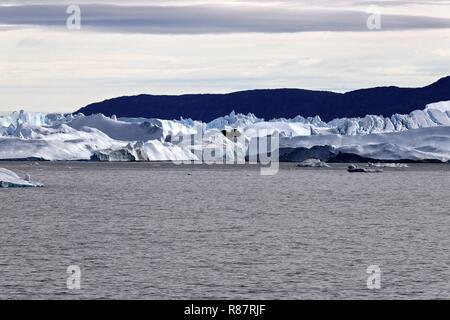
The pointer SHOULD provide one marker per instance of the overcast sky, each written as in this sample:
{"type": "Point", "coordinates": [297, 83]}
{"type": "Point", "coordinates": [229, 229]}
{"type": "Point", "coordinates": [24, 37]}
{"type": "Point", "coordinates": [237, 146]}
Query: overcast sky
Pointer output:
{"type": "Point", "coordinates": [174, 47]}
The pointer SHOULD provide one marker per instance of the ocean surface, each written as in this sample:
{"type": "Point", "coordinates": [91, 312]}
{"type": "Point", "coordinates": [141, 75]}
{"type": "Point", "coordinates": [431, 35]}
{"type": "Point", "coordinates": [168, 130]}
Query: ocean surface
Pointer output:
{"type": "Point", "coordinates": [161, 231]}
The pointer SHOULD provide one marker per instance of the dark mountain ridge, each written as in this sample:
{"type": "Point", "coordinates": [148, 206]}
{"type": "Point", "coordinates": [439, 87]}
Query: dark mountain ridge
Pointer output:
{"type": "Point", "coordinates": [276, 103]}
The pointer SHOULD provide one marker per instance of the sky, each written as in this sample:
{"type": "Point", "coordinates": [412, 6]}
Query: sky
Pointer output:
{"type": "Point", "coordinates": [176, 47]}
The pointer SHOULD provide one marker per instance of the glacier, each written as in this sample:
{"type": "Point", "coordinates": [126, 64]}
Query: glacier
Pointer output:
{"type": "Point", "coordinates": [422, 135]}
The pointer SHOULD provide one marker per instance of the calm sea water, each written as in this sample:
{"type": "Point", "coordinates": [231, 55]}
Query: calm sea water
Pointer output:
{"type": "Point", "coordinates": [160, 231]}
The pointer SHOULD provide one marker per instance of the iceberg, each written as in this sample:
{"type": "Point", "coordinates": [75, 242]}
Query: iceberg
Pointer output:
{"type": "Point", "coordinates": [54, 143]}
{"type": "Point", "coordinates": [9, 179]}
{"type": "Point", "coordinates": [424, 144]}
{"type": "Point", "coordinates": [33, 118]}
{"type": "Point", "coordinates": [422, 135]}
{"type": "Point", "coordinates": [443, 106]}
{"type": "Point", "coordinates": [436, 114]}
{"type": "Point", "coordinates": [117, 129]}
{"type": "Point", "coordinates": [388, 165]}
{"type": "Point", "coordinates": [354, 169]}
{"type": "Point", "coordinates": [313, 163]}
{"type": "Point", "coordinates": [233, 120]}
{"type": "Point", "coordinates": [148, 151]}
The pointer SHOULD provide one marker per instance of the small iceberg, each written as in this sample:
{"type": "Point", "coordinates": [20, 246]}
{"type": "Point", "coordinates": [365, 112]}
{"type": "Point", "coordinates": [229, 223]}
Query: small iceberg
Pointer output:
{"type": "Point", "coordinates": [352, 169]}
{"type": "Point", "coordinates": [313, 163]}
{"type": "Point", "coordinates": [388, 165]}
{"type": "Point", "coordinates": [9, 179]}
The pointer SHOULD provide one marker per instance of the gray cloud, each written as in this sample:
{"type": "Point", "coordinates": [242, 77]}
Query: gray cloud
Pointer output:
{"type": "Point", "coordinates": [201, 19]}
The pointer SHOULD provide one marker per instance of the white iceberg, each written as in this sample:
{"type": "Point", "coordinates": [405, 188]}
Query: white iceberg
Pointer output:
{"type": "Point", "coordinates": [354, 169]}
{"type": "Point", "coordinates": [9, 179]}
{"type": "Point", "coordinates": [388, 165]}
{"type": "Point", "coordinates": [420, 135]}
{"type": "Point", "coordinates": [144, 151]}
{"type": "Point", "coordinates": [313, 163]}
{"type": "Point", "coordinates": [443, 106]}
{"type": "Point", "coordinates": [59, 142]}
{"type": "Point", "coordinates": [119, 130]}
{"type": "Point", "coordinates": [417, 145]}
{"type": "Point", "coordinates": [435, 114]}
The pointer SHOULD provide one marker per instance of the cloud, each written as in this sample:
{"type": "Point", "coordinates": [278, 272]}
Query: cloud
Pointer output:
{"type": "Point", "coordinates": [206, 19]}
{"type": "Point", "coordinates": [30, 42]}
{"type": "Point", "coordinates": [444, 53]}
